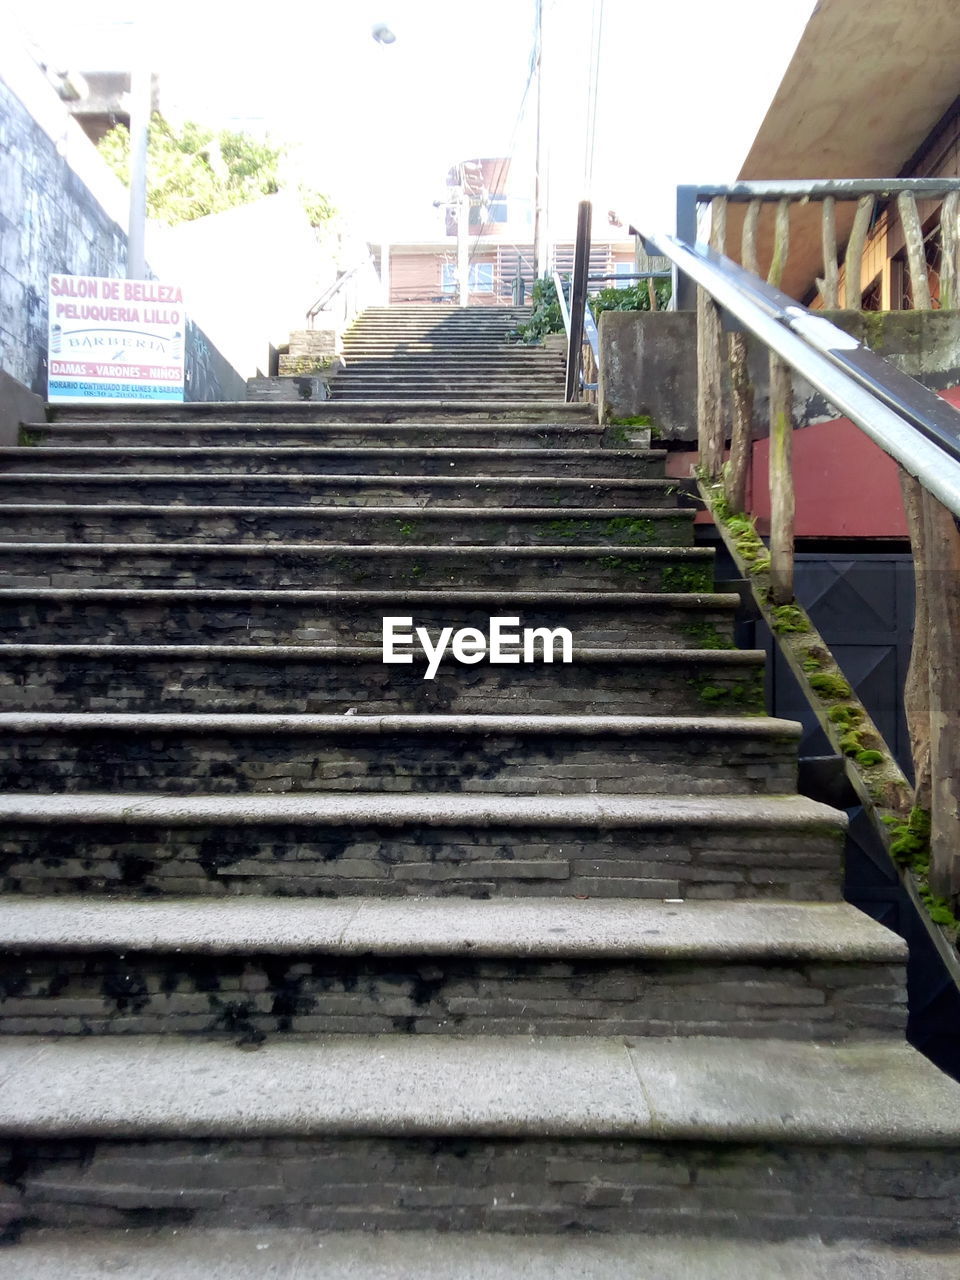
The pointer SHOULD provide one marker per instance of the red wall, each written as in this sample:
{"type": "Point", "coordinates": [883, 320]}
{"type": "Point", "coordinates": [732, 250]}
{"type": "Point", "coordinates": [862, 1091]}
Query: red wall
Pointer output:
{"type": "Point", "coordinates": [846, 486]}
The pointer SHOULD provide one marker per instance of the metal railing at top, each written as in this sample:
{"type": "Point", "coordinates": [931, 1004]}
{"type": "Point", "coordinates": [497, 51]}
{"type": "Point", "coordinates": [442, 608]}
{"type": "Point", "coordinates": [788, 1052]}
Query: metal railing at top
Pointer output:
{"type": "Point", "coordinates": [357, 287]}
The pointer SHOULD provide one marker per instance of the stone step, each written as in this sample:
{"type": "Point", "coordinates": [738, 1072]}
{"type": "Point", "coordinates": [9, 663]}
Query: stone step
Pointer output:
{"type": "Point", "coordinates": [470, 755]}
{"type": "Point", "coordinates": [518, 360]}
{"type": "Point", "coordinates": [275, 487]}
{"type": "Point", "coordinates": [270, 435]}
{"type": "Point", "coordinates": [532, 526]}
{"type": "Point", "coordinates": [854, 1141]}
{"type": "Point", "coordinates": [250, 564]}
{"type": "Point", "coordinates": [194, 1253]}
{"type": "Point", "coordinates": [457, 377]}
{"type": "Point", "coordinates": [580, 846]}
{"type": "Point", "coordinates": [320, 412]}
{"type": "Point", "coordinates": [190, 616]}
{"type": "Point", "coordinates": [352, 678]}
{"type": "Point", "coordinates": [320, 460]}
{"type": "Point", "coordinates": [391, 395]}
{"type": "Point", "coordinates": [255, 968]}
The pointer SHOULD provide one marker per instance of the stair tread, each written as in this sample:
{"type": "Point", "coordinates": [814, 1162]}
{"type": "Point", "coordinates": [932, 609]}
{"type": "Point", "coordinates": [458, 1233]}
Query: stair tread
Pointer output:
{"type": "Point", "coordinates": [251, 1254]}
{"type": "Point", "coordinates": [358, 652]}
{"type": "Point", "coordinates": [350, 512]}
{"type": "Point", "coordinates": [507, 597]}
{"type": "Point", "coordinates": [365, 726]}
{"type": "Point", "coordinates": [725, 932]}
{"type": "Point", "coordinates": [431, 809]}
{"type": "Point", "coordinates": [492, 452]}
{"type": "Point", "coordinates": [704, 1089]}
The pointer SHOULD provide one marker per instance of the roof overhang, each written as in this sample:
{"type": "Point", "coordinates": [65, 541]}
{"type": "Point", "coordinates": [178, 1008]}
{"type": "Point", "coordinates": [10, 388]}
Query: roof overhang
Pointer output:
{"type": "Point", "coordinates": [867, 84]}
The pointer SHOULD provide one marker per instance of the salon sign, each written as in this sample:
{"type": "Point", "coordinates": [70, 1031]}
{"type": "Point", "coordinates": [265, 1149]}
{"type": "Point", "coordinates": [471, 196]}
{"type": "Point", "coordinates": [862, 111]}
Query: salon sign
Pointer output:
{"type": "Point", "coordinates": [115, 341]}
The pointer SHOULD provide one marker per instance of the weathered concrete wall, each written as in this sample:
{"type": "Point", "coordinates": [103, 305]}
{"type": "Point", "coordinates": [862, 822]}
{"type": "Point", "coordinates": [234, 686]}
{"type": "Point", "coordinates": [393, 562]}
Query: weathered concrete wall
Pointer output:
{"type": "Point", "coordinates": [61, 211]}
{"type": "Point", "coordinates": [17, 405]}
{"type": "Point", "coordinates": [649, 363]}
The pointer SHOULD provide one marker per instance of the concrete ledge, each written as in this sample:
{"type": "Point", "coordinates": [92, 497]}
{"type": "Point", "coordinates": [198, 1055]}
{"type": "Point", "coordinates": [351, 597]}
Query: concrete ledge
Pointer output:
{"type": "Point", "coordinates": [490, 454]}
{"type": "Point", "coordinates": [504, 599]}
{"type": "Point", "coordinates": [191, 1254]}
{"type": "Point", "coordinates": [348, 411]}
{"type": "Point", "coordinates": [773, 813]}
{"type": "Point", "coordinates": [730, 932]}
{"type": "Point", "coordinates": [695, 1089]}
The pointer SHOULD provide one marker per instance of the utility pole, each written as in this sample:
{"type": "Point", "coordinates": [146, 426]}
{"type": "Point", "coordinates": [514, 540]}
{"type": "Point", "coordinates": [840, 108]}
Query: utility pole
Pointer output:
{"type": "Point", "coordinates": [463, 241]}
{"type": "Point", "coordinates": [539, 256]}
{"type": "Point", "coordinates": [141, 100]}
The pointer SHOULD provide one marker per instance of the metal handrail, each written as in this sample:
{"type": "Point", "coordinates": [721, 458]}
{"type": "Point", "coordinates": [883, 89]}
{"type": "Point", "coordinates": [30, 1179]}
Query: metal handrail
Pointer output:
{"type": "Point", "coordinates": [331, 292]}
{"type": "Point", "coordinates": [589, 329]}
{"type": "Point", "coordinates": [909, 422]}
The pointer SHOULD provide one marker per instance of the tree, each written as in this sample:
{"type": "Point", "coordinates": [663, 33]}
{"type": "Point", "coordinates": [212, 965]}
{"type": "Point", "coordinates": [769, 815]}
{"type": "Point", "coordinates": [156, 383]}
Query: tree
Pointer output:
{"type": "Point", "coordinates": [198, 171]}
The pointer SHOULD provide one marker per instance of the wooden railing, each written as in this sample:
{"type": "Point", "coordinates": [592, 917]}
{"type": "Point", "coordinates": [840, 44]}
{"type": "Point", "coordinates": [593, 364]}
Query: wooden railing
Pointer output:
{"type": "Point", "coordinates": [918, 429]}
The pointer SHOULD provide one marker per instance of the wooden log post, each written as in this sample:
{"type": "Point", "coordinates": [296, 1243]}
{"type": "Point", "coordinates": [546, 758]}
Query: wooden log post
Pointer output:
{"type": "Point", "coordinates": [853, 259]}
{"type": "Point", "coordinates": [933, 689]}
{"type": "Point", "coordinates": [942, 568]}
{"type": "Point", "coordinates": [782, 502]}
{"type": "Point", "coordinates": [829, 286]}
{"type": "Point", "coordinates": [949, 251]}
{"type": "Point", "coordinates": [737, 470]}
{"type": "Point", "coordinates": [710, 424]}
{"type": "Point", "coordinates": [916, 256]}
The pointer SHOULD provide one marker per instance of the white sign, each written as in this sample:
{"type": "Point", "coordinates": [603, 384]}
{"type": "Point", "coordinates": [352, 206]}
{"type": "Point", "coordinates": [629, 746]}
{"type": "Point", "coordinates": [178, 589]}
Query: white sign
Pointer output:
{"type": "Point", "coordinates": [115, 340]}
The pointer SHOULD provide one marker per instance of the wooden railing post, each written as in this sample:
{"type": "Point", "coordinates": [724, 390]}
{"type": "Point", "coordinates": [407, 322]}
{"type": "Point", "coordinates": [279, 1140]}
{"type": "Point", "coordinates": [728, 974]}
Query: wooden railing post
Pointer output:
{"type": "Point", "coordinates": [782, 502]}
{"type": "Point", "coordinates": [829, 286]}
{"type": "Point", "coordinates": [737, 470]}
{"type": "Point", "coordinates": [853, 259]}
{"type": "Point", "coordinates": [932, 694]}
{"type": "Point", "coordinates": [949, 251]}
{"type": "Point", "coordinates": [710, 425]}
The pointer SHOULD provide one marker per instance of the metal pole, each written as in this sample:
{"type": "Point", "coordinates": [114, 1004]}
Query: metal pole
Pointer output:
{"type": "Point", "coordinates": [141, 95]}
{"type": "Point", "coordinates": [684, 291]}
{"type": "Point", "coordinates": [463, 243]}
{"type": "Point", "coordinates": [578, 299]}
{"type": "Point", "coordinates": [385, 272]}
{"type": "Point", "coordinates": [537, 186]}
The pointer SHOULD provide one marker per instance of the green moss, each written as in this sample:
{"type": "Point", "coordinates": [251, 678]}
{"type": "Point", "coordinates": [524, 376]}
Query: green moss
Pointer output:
{"type": "Point", "coordinates": [869, 757]}
{"type": "Point", "coordinates": [789, 618]}
{"type": "Point", "coordinates": [846, 714]}
{"type": "Point", "coordinates": [686, 578]}
{"type": "Point", "coordinates": [711, 693]}
{"type": "Point", "coordinates": [633, 532]}
{"type": "Point", "coordinates": [911, 840]}
{"type": "Point", "coordinates": [874, 325]}
{"type": "Point", "coordinates": [564, 529]}
{"type": "Point", "coordinates": [406, 529]}
{"type": "Point", "coordinates": [706, 636]}
{"type": "Point", "coordinates": [829, 685]}
{"type": "Point", "coordinates": [811, 663]}
{"type": "Point", "coordinates": [639, 420]}
{"type": "Point", "coordinates": [27, 438]}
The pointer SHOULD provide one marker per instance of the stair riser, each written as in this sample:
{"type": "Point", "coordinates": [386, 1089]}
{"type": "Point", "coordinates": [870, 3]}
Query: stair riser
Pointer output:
{"type": "Point", "coordinates": [450, 394]}
{"type": "Point", "coordinates": [689, 861]}
{"type": "Point", "coordinates": [250, 995]}
{"type": "Point", "coordinates": [340, 462]}
{"type": "Point", "coordinates": [503, 1184]}
{"type": "Point", "coordinates": [497, 763]}
{"type": "Point", "coordinates": [323, 413]}
{"type": "Point", "coordinates": [426, 568]}
{"type": "Point", "coordinates": [334, 685]}
{"type": "Point", "coordinates": [274, 489]}
{"type": "Point", "coordinates": [429, 437]}
{"type": "Point", "coordinates": [179, 524]}
{"type": "Point", "coordinates": [274, 622]}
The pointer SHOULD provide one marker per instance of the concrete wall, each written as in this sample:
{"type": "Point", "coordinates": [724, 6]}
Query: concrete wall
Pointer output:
{"type": "Point", "coordinates": [62, 210]}
{"type": "Point", "coordinates": [648, 363]}
{"type": "Point", "coordinates": [17, 405]}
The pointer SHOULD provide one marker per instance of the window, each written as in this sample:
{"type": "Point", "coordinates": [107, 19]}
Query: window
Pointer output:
{"type": "Point", "coordinates": [481, 277]}
{"type": "Point", "coordinates": [624, 269]}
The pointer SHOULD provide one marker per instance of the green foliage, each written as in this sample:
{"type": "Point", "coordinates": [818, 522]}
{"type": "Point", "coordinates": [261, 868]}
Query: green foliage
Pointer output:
{"type": "Point", "coordinates": [196, 171]}
{"type": "Point", "coordinates": [869, 757]}
{"type": "Point", "coordinates": [638, 420]}
{"type": "Point", "coordinates": [633, 297]}
{"type": "Point", "coordinates": [545, 317]}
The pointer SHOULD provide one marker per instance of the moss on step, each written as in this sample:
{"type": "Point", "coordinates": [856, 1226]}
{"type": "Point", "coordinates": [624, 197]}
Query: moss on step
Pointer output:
{"type": "Point", "coordinates": [705, 635]}
{"type": "Point", "coordinates": [686, 577]}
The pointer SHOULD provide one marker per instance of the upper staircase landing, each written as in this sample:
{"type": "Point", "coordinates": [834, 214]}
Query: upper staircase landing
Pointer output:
{"type": "Point", "coordinates": [445, 353]}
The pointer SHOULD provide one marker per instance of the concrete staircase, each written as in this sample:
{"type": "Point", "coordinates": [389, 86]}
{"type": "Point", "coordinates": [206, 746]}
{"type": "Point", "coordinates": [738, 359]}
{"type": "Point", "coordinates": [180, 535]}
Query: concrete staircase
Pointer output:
{"type": "Point", "coordinates": [416, 352]}
{"type": "Point", "coordinates": [554, 950]}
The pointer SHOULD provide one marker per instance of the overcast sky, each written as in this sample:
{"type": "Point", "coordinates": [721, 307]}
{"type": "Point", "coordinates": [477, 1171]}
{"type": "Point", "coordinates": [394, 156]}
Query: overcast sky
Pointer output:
{"type": "Point", "coordinates": [683, 87]}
